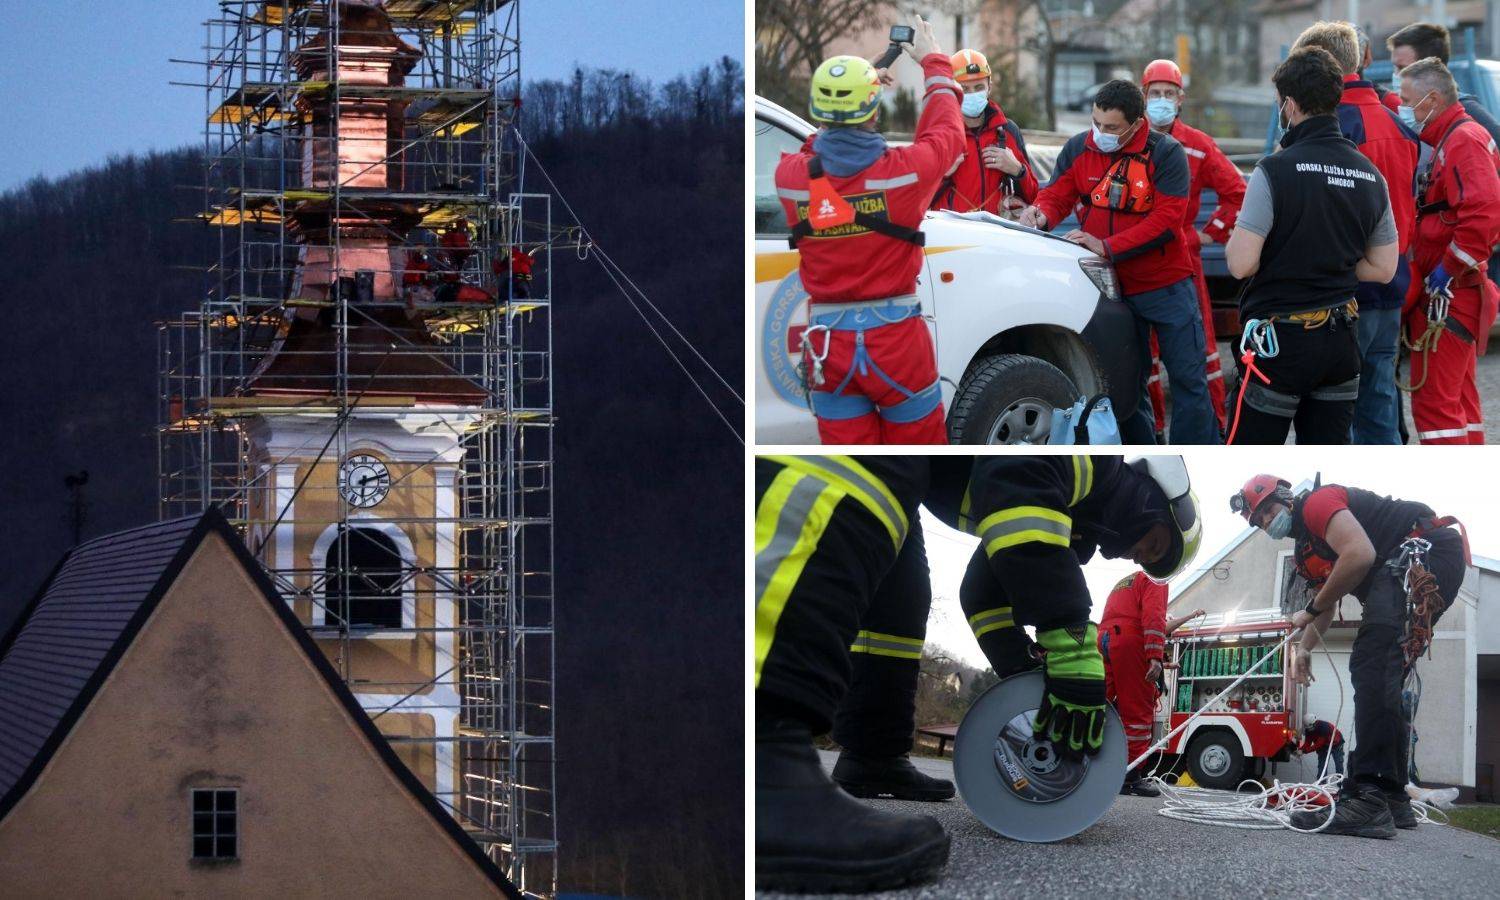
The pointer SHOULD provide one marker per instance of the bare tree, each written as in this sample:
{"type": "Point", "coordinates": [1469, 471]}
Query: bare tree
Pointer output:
{"type": "Point", "coordinates": [792, 38]}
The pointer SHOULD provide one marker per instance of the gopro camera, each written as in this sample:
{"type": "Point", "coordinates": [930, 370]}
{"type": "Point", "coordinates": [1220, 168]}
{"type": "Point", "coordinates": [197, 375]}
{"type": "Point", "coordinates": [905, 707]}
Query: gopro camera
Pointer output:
{"type": "Point", "coordinates": [900, 34]}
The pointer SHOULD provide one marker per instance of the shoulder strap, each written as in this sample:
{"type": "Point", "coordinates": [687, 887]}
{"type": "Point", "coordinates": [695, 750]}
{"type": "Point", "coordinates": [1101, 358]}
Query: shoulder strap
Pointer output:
{"type": "Point", "coordinates": [1425, 209]}
{"type": "Point", "coordinates": [885, 227]}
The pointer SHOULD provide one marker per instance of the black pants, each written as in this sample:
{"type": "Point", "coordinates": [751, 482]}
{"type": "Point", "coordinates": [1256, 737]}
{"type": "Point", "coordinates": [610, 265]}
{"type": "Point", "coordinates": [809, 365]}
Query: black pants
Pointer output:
{"type": "Point", "coordinates": [996, 615]}
{"type": "Point", "coordinates": [878, 715]}
{"type": "Point", "coordinates": [1308, 379]}
{"type": "Point", "coordinates": [1377, 667]}
{"type": "Point", "coordinates": [812, 591]}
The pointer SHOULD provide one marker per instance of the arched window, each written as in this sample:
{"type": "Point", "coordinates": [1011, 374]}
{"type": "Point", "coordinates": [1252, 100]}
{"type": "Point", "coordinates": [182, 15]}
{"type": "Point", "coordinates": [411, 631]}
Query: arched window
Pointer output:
{"type": "Point", "coordinates": [363, 587]}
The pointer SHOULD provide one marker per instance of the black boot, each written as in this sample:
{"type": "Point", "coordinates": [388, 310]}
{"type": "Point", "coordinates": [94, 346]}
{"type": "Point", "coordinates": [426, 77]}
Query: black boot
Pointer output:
{"type": "Point", "coordinates": [1359, 811]}
{"type": "Point", "coordinates": [1140, 787]}
{"type": "Point", "coordinates": [887, 776]}
{"type": "Point", "coordinates": [1401, 812]}
{"type": "Point", "coordinates": [811, 837]}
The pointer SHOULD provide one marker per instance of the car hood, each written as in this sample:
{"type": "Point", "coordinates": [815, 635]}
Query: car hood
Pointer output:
{"type": "Point", "coordinates": [950, 229]}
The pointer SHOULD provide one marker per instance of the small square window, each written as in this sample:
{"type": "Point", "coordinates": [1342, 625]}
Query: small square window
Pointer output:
{"type": "Point", "coordinates": [215, 823]}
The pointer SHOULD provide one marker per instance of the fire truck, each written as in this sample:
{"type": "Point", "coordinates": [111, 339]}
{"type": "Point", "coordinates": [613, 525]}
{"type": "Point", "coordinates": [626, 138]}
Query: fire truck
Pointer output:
{"type": "Point", "coordinates": [1256, 724]}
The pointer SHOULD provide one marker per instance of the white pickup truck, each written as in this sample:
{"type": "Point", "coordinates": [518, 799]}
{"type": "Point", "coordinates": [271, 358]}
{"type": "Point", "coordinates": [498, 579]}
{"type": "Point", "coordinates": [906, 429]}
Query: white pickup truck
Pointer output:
{"type": "Point", "coordinates": [1024, 322]}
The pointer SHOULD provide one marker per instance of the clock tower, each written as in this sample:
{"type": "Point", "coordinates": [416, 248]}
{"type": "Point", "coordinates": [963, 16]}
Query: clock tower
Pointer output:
{"type": "Point", "coordinates": [366, 393]}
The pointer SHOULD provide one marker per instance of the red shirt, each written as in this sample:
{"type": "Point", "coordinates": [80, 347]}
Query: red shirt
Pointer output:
{"type": "Point", "coordinates": [1146, 248]}
{"type": "Point", "coordinates": [851, 262]}
{"type": "Point", "coordinates": [1464, 175]}
{"type": "Point", "coordinates": [1208, 167]}
{"type": "Point", "coordinates": [973, 186]}
{"type": "Point", "coordinates": [1320, 506]}
{"type": "Point", "coordinates": [1390, 145]}
{"type": "Point", "coordinates": [1138, 606]}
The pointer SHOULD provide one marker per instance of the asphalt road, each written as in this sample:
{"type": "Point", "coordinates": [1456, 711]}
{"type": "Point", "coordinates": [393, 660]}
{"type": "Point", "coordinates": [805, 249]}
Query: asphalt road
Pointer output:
{"type": "Point", "coordinates": [1133, 852]}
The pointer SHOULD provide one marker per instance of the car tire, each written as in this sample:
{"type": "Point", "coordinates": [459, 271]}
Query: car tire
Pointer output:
{"type": "Point", "coordinates": [1008, 398]}
{"type": "Point", "coordinates": [1215, 760]}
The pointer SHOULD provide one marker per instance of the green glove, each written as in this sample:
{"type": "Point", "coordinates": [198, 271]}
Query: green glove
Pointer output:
{"type": "Point", "coordinates": [1072, 711]}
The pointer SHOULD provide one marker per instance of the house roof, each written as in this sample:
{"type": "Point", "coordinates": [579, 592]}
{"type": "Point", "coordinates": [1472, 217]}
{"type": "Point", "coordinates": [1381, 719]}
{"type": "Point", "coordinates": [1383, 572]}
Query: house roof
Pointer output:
{"type": "Point", "coordinates": [1177, 588]}
{"type": "Point", "coordinates": [73, 632]}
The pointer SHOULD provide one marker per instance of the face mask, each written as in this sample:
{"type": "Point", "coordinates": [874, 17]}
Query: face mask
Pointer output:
{"type": "Point", "coordinates": [1161, 111]}
{"type": "Point", "coordinates": [1109, 143]}
{"type": "Point", "coordinates": [1408, 117]}
{"type": "Point", "coordinates": [974, 104]}
{"type": "Point", "coordinates": [1281, 525]}
{"type": "Point", "coordinates": [1395, 81]}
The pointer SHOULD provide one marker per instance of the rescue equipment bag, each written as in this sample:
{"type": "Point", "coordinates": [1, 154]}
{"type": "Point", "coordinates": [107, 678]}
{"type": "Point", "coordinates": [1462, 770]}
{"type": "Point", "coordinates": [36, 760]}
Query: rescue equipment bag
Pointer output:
{"type": "Point", "coordinates": [1127, 186]}
{"type": "Point", "coordinates": [1089, 421]}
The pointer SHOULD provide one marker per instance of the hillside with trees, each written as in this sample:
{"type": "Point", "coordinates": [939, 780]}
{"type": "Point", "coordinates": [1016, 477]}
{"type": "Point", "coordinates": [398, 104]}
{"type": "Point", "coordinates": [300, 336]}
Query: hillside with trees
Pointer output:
{"type": "Point", "coordinates": [649, 482]}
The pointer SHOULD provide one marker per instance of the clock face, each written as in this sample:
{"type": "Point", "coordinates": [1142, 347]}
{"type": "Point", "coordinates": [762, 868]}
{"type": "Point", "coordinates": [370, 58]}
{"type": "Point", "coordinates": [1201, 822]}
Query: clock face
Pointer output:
{"type": "Point", "coordinates": [364, 481]}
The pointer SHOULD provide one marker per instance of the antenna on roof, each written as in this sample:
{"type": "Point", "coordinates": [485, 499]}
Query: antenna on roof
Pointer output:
{"type": "Point", "coordinates": [77, 506]}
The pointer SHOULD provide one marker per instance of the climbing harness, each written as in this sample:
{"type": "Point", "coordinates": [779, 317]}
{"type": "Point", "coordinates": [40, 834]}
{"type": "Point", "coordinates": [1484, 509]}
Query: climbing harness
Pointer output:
{"type": "Point", "coordinates": [1438, 302]}
{"type": "Point", "coordinates": [859, 317]}
{"type": "Point", "coordinates": [1257, 340]}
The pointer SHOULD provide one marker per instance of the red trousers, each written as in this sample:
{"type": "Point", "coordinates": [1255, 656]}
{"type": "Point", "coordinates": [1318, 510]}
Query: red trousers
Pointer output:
{"type": "Point", "coordinates": [1211, 360]}
{"type": "Point", "coordinates": [1125, 686]}
{"type": "Point", "coordinates": [879, 385]}
{"type": "Point", "coordinates": [1445, 408]}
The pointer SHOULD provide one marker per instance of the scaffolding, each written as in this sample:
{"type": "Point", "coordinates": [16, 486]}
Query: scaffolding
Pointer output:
{"type": "Point", "coordinates": [365, 386]}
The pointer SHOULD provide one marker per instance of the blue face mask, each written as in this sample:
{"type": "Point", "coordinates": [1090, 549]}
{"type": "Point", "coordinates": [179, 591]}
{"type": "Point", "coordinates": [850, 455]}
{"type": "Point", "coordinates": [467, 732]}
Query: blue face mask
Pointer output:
{"type": "Point", "coordinates": [1281, 524]}
{"type": "Point", "coordinates": [1109, 143]}
{"type": "Point", "coordinates": [1408, 117]}
{"type": "Point", "coordinates": [974, 104]}
{"type": "Point", "coordinates": [1161, 111]}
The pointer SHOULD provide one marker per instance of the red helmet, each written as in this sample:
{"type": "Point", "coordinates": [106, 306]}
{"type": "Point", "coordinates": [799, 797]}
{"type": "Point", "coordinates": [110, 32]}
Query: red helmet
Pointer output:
{"type": "Point", "coordinates": [1162, 70]}
{"type": "Point", "coordinates": [1257, 490]}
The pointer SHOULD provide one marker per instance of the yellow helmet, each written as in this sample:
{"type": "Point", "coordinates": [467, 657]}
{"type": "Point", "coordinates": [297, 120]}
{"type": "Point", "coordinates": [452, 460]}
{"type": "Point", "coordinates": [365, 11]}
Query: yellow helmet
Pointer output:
{"type": "Point", "coordinates": [970, 65]}
{"type": "Point", "coordinates": [845, 91]}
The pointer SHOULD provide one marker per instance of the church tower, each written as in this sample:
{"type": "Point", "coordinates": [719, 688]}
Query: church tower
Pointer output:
{"type": "Point", "coordinates": [365, 389]}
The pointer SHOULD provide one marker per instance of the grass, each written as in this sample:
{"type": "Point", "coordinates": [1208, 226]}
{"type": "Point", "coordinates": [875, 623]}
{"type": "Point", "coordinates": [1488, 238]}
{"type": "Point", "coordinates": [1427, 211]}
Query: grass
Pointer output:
{"type": "Point", "coordinates": [1481, 819]}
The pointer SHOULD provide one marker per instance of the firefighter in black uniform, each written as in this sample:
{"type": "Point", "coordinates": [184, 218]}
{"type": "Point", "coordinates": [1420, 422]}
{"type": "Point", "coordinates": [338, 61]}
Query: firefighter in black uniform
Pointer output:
{"type": "Point", "coordinates": [1350, 541]}
{"type": "Point", "coordinates": [827, 531]}
{"type": "Point", "coordinates": [1039, 519]}
{"type": "Point", "coordinates": [876, 722]}
{"type": "Point", "coordinates": [1316, 221]}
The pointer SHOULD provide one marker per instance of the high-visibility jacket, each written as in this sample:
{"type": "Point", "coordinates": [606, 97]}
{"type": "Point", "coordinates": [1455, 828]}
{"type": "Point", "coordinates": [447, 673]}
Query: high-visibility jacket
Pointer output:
{"type": "Point", "coordinates": [1390, 145]}
{"type": "Point", "coordinates": [1137, 607]}
{"type": "Point", "coordinates": [850, 262]}
{"type": "Point", "coordinates": [1458, 219]}
{"type": "Point", "coordinates": [1038, 520]}
{"type": "Point", "coordinates": [1208, 167]}
{"type": "Point", "coordinates": [974, 186]}
{"type": "Point", "coordinates": [1146, 248]}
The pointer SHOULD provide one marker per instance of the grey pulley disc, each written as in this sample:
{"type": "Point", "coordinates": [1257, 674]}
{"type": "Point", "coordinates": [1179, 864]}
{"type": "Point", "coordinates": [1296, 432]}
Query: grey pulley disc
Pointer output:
{"type": "Point", "coordinates": [1018, 785]}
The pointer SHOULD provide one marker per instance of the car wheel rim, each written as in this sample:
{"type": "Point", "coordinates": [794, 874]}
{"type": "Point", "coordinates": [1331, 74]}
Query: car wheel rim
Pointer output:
{"type": "Point", "coordinates": [1026, 421]}
{"type": "Point", "coordinates": [1215, 760]}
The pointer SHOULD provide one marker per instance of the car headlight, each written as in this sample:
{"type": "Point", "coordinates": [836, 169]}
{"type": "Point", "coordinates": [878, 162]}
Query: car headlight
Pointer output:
{"type": "Point", "coordinates": [1102, 274]}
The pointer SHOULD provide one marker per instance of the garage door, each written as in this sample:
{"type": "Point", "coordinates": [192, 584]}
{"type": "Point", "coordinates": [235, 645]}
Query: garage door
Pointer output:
{"type": "Point", "coordinates": [1322, 700]}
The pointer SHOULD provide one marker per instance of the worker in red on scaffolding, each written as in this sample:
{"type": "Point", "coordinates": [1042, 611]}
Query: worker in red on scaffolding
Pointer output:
{"type": "Point", "coordinates": [1208, 167]}
{"type": "Point", "coordinates": [1350, 541]}
{"type": "Point", "coordinates": [1451, 303]}
{"type": "Point", "coordinates": [994, 174]}
{"type": "Point", "coordinates": [855, 206]}
{"type": "Point", "coordinates": [1132, 640]}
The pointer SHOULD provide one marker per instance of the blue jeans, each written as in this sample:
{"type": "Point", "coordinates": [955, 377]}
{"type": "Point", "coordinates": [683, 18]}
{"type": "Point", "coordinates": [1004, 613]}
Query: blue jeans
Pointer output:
{"type": "Point", "coordinates": [1377, 412]}
{"type": "Point", "coordinates": [1378, 408]}
{"type": "Point", "coordinates": [1338, 759]}
{"type": "Point", "coordinates": [1179, 332]}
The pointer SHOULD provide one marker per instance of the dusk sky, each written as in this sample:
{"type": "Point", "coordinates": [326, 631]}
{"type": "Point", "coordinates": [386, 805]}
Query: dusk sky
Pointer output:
{"type": "Point", "coordinates": [81, 80]}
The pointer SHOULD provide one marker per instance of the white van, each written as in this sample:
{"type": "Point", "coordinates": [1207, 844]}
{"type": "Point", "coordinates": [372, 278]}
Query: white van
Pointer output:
{"type": "Point", "coordinates": [1024, 321]}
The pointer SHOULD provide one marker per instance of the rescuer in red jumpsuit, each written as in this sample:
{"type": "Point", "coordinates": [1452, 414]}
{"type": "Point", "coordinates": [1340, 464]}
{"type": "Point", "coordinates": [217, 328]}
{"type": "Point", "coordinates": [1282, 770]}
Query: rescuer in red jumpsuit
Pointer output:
{"type": "Point", "coordinates": [855, 206]}
{"type": "Point", "coordinates": [1207, 167]}
{"type": "Point", "coordinates": [994, 175]}
{"type": "Point", "coordinates": [1458, 223]}
{"type": "Point", "coordinates": [1132, 639]}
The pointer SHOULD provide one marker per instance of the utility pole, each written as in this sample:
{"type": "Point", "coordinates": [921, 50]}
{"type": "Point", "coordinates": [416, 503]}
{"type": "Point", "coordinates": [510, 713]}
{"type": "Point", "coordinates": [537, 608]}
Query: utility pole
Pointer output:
{"type": "Point", "coordinates": [77, 506]}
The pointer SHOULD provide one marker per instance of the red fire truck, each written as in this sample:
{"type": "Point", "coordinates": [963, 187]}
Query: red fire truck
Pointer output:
{"type": "Point", "coordinates": [1255, 724]}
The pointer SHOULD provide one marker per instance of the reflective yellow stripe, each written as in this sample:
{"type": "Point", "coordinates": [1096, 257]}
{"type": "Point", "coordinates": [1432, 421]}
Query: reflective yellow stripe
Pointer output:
{"type": "Point", "coordinates": [857, 482]}
{"type": "Point", "coordinates": [964, 524]}
{"type": "Point", "coordinates": [1024, 524]}
{"type": "Point", "coordinates": [1083, 478]}
{"type": "Point", "coordinates": [987, 620]}
{"type": "Point", "coordinates": [877, 644]}
{"type": "Point", "coordinates": [789, 522]}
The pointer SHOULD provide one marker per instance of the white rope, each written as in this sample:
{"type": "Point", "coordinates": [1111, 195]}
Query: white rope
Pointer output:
{"type": "Point", "coordinates": [1270, 807]}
